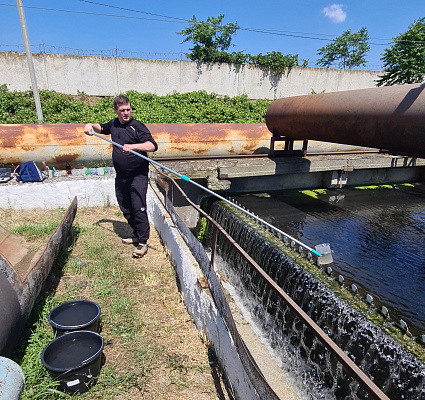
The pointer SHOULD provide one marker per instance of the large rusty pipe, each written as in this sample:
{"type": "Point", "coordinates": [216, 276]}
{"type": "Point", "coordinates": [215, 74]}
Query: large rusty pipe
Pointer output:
{"type": "Point", "coordinates": [390, 118]}
{"type": "Point", "coordinates": [57, 144]}
{"type": "Point", "coordinates": [61, 143]}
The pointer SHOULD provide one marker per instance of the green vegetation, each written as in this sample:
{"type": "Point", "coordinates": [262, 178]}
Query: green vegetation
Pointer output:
{"type": "Point", "coordinates": [313, 193]}
{"type": "Point", "coordinates": [202, 229]}
{"type": "Point", "coordinates": [30, 230]}
{"type": "Point", "coordinates": [195, 107]}
{"type": "Point", "coordinates": [404, 61]}
{"type": "Point", "coordinates": [211, 39]}
{"type": "Point", "coordinates": [349, 50]}
{"type": "Point", "coordinates": [276, 62]}
{"type": "Point", "coordinates": [383, 186]}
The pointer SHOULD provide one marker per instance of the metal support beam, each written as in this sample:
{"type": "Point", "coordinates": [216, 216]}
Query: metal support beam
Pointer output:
{"type": "Point", "coordinates": [289, 147]}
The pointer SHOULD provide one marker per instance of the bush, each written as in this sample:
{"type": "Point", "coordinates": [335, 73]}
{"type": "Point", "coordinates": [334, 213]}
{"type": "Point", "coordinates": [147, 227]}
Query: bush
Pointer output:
{"type": "Point", "coordinates": [194, 107]}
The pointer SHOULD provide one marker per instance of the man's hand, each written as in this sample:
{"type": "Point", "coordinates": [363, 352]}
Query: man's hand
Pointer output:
{"type": "Point", "coordinates": [127, 147]}
{"type": "Point", "coordinates": [90, 128]}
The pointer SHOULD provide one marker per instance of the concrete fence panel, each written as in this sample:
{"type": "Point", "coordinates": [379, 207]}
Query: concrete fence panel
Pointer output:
{"type": "Point", "coordinates": [108, 76]}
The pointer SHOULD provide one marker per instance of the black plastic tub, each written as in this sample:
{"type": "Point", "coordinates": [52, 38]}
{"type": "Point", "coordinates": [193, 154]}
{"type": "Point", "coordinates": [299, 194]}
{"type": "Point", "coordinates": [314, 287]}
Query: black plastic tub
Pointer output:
{"type": "Point", "coordinates": [74, 359]}
{"type": "Point", "coordinates": [74, 315]}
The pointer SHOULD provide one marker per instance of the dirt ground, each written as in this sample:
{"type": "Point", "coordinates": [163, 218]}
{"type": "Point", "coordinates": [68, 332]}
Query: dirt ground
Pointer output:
{"type": "Point", "coordinates": [163, 355]}
{"type": "Point", "coordinates": [181, 368]}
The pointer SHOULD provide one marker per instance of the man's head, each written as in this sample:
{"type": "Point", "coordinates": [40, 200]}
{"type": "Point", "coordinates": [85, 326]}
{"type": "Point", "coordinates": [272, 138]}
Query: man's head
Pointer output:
{"type": "Point", "coordinates": [122, 108]}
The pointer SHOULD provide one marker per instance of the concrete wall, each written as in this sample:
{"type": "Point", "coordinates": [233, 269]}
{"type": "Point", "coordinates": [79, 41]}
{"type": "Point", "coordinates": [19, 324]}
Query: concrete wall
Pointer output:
{"type": "Point", "coordinates": [107, 76]}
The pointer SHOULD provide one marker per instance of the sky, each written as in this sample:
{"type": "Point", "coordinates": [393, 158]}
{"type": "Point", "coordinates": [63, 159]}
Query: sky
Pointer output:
{"type": "Point", "coordinates": [149, 29]}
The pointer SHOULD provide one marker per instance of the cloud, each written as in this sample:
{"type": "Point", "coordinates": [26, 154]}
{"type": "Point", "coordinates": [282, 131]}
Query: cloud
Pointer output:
{"type": "Point", "coordinates": [335, 13]}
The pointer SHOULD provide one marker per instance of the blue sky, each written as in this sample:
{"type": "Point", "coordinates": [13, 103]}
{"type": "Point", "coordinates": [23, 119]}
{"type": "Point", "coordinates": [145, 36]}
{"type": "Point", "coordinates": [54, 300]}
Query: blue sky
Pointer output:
{"type": "Point", "coordinates": [139, 28]}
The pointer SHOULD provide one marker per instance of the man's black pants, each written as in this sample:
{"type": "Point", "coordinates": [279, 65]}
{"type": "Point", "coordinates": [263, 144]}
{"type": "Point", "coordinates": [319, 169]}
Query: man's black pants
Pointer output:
{"type": "Point", "coordinates": [131, 197]}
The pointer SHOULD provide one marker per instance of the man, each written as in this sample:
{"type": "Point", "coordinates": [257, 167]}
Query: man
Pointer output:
{"type": "Point", "coordinates": [131, 180]}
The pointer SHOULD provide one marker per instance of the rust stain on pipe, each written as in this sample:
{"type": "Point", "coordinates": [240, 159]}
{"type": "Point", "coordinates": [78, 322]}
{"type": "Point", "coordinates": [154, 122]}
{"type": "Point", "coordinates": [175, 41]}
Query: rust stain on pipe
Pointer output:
{"type": "Point", "coordinates": [62, 143]}
{"type": "Point", "coordinates": [390, 118]}
{"type": "Point", "coordinates": [55, 144]}
{"type": "Point", "coordinates": [210, 139]}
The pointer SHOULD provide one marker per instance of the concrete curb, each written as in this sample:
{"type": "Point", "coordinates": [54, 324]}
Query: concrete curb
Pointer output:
{"type": "Point", "coordinates": [198, 301]}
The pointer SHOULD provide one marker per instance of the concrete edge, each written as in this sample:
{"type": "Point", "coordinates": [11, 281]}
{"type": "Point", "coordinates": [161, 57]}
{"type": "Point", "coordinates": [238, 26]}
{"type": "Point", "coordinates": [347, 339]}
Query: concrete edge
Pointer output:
{"type": "Point", "coordinates": [198, 301]}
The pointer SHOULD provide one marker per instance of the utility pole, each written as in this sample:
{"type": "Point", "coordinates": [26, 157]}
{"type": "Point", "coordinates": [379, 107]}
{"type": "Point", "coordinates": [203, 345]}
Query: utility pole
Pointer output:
{"type": "Point", "coordinates": [30, 61]}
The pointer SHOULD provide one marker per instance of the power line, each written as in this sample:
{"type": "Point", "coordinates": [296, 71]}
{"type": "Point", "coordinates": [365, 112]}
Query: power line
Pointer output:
{"type": "Point", "coordinates": [91, 13]}
{"type": "Point", "coordinates": [258, 30]}
{"type": "Point", "coordinates": [129, 9]}
{"type": "Point", "coordinates": [301, 35]}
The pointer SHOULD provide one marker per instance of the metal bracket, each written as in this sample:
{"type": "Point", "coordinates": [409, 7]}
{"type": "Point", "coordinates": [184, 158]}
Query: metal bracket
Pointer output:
{"type": "Point", "coordinates": [289, 147]}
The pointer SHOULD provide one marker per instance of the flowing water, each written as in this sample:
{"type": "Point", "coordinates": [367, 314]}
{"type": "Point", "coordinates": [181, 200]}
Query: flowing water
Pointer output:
{"type": "Point", "coordinates": [393, 369]}
{"type": "Point", "coordinates": [377, 237]}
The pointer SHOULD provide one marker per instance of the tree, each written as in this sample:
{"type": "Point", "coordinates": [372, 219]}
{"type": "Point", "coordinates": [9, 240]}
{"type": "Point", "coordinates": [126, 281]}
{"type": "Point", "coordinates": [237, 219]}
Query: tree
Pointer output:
{"type": "Point", "coordinates": [211, 39]}
{"type": "Point", "coordinates": [404, 62]}
{"type": "Point", "coordinates": [349, 49]}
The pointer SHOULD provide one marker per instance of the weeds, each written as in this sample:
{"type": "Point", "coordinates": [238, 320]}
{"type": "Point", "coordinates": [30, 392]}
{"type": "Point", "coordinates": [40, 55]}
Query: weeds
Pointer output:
{"type": "Point", "coordinates": [194, 107]}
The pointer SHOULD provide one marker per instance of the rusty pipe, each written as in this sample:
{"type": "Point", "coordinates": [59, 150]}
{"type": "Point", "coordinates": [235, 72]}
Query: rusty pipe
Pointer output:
{"type": "Point", "coordinates": [390, 118]}
{"type": "Point", "coordinates": [57, 144]}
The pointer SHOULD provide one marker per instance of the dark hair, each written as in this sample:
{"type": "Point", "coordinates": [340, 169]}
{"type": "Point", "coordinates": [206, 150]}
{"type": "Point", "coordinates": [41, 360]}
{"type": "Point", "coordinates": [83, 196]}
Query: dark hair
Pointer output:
{"type": "Point", "coordinates": [120, 100]}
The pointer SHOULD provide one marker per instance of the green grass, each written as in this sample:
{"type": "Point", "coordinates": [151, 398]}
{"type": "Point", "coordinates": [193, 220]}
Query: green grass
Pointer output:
{"type": "Point", "coordinates": [38, 231]}
{"type": "Point", "coordinates": [38, 384]}
{"type": "Point", "coordinates": [99, 267]}
{"type": "Point", "coordinates": [152, 344]}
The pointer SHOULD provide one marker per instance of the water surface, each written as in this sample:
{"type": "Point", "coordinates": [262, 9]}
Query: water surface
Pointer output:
{"type": "Point", "coordinates": [377, 237]}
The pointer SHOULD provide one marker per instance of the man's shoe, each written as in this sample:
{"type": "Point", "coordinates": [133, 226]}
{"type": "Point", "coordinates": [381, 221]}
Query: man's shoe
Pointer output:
{"type": "Point", "coordinates": [130, 241]}
{"type": "Point", "coordinates": [140, 251]}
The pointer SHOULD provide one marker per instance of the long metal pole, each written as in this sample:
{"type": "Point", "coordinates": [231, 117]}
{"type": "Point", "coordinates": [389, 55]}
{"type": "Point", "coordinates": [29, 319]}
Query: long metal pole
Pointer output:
{"type": "Point", "coordinates": [187, 179]}
{"type": "Point", "coordinates": [30, 61]}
